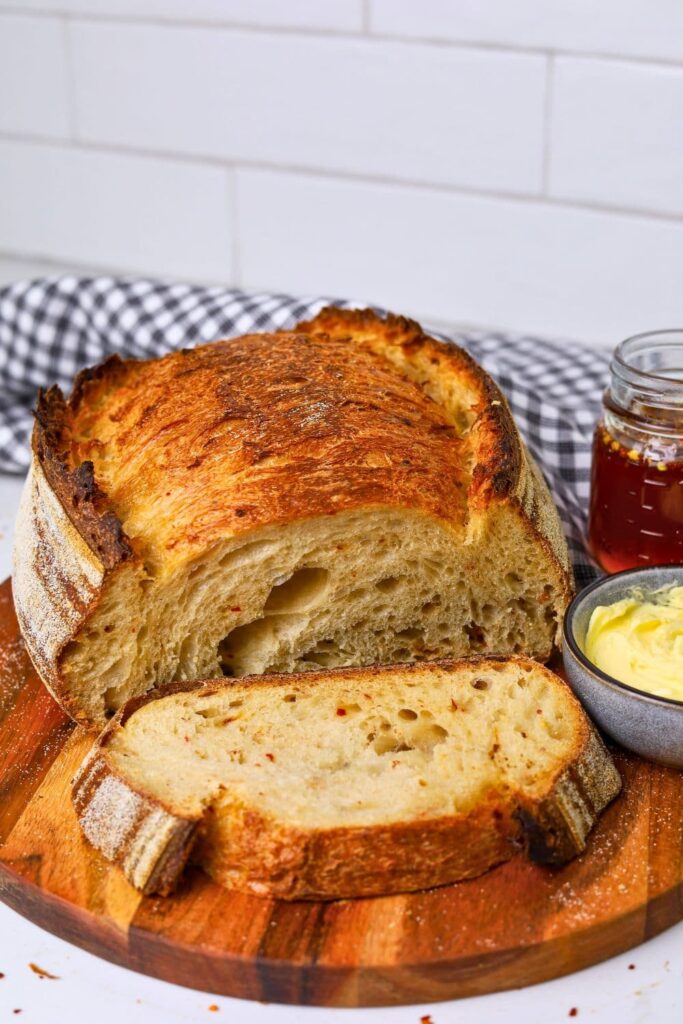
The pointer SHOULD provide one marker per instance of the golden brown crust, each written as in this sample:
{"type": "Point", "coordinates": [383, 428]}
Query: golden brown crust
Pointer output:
{"type": "Point", "coordinates": [224, 435]}
{"type": "Point", "coordinates": [498, 451]}
{"type": "Point", "coordinates": [502, 470]}
{"type": "Point", "coordinates": [247, 850]}
{"type": "Point", "coordinates": [259, 407]}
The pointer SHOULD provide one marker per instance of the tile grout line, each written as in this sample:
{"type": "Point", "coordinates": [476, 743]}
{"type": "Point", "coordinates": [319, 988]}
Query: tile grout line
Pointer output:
{"type": "Point", "coordinates": [531, 196]}
{"type": "Point", "coordinates": [333, 32]}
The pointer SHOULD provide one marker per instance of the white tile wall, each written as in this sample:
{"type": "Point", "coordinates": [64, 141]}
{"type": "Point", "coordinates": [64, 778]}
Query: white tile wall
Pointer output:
{"type": "Point", "coordinates": [33, 77]}
{"type": "Point", "coordinates": [586, 274]}
{"type": "Point", "coordinates": [637, 28]}
{"type": "Point", "coordinates": [113, 210]}
{"type": "Point", "coordinates": [341, 15]}
{"type": "Point", "coordinates": [617, 134]}
{"type": "Point", "coordinates": [512, 164]}
{"type": "Point", "coordinates": [401, 110]}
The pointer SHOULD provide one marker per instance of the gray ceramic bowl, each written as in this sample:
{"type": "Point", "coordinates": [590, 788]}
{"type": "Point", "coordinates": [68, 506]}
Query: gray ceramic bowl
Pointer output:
{"type": "Point", "coordinates": [651, 726]}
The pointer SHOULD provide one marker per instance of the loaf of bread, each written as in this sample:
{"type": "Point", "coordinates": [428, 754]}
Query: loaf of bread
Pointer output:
{"type": "Point", "coordinates": [348, 493]}
{"type": "Point", "coordinates": [353, 782]}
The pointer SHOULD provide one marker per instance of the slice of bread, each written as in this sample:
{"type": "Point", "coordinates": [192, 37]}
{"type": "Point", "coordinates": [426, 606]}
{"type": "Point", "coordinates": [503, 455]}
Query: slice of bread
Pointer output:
{"type": "Point", "coordinates": [348, 493]}
{"type": "Point", "coordinates": [348, 783]}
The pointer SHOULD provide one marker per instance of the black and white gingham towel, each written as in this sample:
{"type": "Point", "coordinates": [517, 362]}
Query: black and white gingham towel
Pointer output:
{"type": "Point", "coordinates": [50, 329]}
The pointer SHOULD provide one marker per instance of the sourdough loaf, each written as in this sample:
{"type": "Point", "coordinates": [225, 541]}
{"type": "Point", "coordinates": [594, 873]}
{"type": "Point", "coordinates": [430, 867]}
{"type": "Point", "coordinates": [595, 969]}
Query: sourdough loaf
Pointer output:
{"type": "Point", "coordinates": [351, 492]}
{"type": "Point", "coordinates": [352, 782]}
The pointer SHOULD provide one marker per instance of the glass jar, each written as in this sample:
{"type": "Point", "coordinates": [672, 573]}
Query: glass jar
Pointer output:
{"type": "Point", "coordinates": [636, 506]}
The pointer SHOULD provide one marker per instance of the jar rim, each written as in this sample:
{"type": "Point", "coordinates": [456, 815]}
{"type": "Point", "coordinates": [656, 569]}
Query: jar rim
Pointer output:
{"type": "Point", "coordinates": [619, 361]}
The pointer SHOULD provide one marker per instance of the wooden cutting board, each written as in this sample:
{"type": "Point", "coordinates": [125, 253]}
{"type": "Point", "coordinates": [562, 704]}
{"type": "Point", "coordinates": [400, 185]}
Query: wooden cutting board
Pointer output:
{"type": "Point", "coordinates": [517, 925]}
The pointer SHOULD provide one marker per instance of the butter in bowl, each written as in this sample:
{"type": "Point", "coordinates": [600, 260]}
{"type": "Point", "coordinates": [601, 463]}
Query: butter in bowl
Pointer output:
{"type": "Point", "coordinates": [623, 654]}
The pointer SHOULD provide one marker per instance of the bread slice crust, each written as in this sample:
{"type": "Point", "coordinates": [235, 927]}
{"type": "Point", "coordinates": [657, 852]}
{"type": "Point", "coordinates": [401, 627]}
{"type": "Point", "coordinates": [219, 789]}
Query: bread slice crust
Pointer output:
{"type": "Point", "coordinates": [250, 850]}
{"type": "Point", "coordinates": [452, 461]}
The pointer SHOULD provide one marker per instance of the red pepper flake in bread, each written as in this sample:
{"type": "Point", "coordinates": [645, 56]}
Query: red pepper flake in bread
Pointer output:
{"type": "Point", "coordinates": [341, 712]}
{"type": "Point", "coordinates": [454, 705]}
{"type": "Point", "coordinates": [539, 711]}
{"type": "Point", "coordinates": [236, 608]}
{"type": "Point", "coordinates": [271, 757]}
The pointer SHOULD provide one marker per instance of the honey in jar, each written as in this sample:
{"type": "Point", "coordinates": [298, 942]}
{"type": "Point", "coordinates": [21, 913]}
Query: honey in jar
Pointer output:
{"type": "Point", "coordinates": [636, 507]}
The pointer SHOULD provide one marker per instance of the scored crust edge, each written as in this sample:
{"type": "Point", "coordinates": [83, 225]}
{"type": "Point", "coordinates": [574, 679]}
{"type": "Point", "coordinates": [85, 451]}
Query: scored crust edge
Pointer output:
{"type": "Point", "coordinates": [151, 844]}
{"type": "Point", "coordinates": [504, 469]}
{"type": "Point", "coordinates": [68, 541]}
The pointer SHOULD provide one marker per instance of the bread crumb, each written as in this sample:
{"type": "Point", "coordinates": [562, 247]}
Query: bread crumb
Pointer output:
{"type": "Point", "coordinates": [573, 1012]}
{"type": "Point", "coordinates": [42, 973]}
{"type": "Point", "coordinates": [213, 1008]}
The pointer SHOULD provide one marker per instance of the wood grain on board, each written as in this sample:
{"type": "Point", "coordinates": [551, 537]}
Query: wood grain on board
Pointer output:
{"type": "Point", "coordinates": [516, 925]}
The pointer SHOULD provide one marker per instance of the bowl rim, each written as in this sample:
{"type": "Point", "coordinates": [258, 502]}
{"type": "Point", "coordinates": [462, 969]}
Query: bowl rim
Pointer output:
{"type": "Point", "coordinates": [590, 666]}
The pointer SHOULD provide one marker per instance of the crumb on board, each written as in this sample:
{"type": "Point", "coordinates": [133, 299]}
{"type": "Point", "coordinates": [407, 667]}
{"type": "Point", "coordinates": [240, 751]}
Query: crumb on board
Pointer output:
{"type": "Point", "coordinates": [426, 1019]}
{"type": "Point", "coordinates": [213, 1008]}
{"type": "Point", "coordinates": [42, 973]}
{"type": "Point", "coordinates": [573, 1012]}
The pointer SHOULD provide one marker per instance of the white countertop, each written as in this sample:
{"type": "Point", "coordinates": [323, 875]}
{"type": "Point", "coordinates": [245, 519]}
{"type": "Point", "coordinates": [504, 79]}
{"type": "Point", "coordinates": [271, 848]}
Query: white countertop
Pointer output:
{"type": "Point", "coordinates": [89, 989]}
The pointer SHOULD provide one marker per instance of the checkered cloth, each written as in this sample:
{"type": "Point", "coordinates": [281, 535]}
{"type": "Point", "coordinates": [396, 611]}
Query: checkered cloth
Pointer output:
{"type": "Point", "coordinates": [50, 329]}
